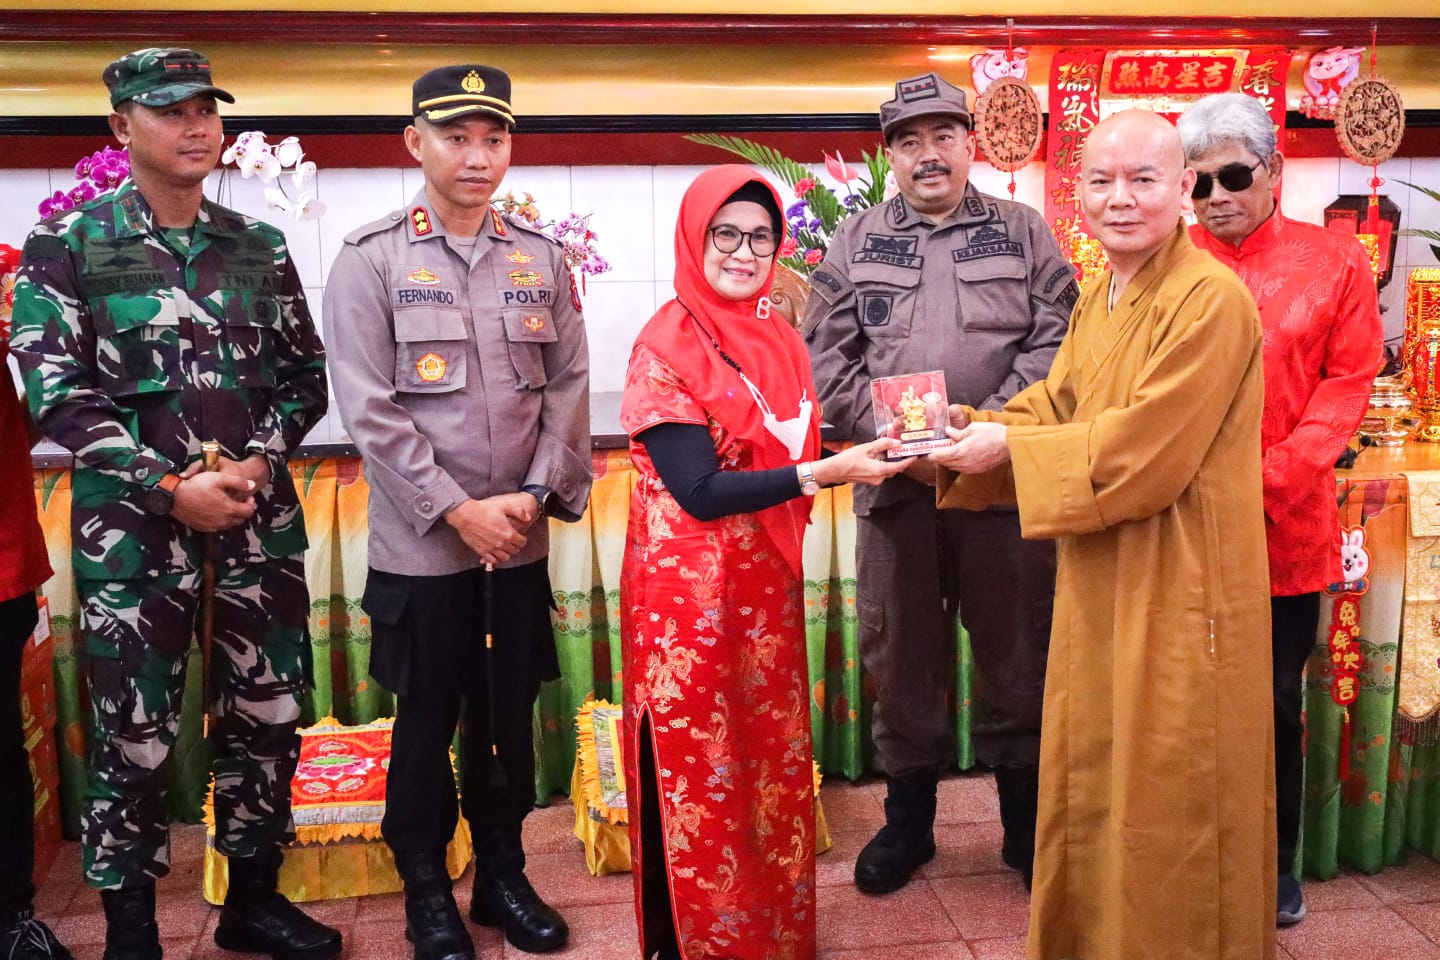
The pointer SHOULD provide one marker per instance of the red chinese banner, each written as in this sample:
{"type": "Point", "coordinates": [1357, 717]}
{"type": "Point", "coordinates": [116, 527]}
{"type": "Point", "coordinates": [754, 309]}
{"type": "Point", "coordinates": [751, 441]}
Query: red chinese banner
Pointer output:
{"type": "Point", "coordinates": [1088, 84]}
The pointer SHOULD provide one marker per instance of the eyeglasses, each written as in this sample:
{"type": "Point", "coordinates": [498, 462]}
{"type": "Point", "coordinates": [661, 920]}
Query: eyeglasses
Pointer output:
{"type": "Point", "coordinates": [1234, 177]}
{"type": "Point", "coordinates": [727, 239]}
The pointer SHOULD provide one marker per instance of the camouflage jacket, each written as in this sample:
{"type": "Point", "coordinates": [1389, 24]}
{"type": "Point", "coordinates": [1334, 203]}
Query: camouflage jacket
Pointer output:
{"type": "Point", "coordinates": [136, 345]}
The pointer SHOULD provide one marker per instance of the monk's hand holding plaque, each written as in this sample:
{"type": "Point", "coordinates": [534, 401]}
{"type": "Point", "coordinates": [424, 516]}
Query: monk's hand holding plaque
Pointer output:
{"type": "Point", "coordinates": [911, 408]}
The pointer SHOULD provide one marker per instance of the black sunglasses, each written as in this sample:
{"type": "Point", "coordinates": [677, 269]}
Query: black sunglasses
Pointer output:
{"type": "Point", "coordinates": [1234, 177]}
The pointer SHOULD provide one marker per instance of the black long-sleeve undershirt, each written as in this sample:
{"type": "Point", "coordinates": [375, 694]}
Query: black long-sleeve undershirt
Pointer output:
{"type": "Point", "coordinates": [684, 456]}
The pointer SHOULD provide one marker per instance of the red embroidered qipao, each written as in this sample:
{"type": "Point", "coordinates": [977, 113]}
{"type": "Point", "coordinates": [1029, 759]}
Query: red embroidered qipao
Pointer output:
{"type": "Point", "coordinates": [712, 614]}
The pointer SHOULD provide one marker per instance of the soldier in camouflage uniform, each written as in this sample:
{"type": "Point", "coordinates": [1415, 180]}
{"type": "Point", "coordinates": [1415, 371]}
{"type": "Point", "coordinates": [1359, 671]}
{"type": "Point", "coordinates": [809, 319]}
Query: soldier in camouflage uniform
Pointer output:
{"type": "Point", "coordinates": [147, 321]}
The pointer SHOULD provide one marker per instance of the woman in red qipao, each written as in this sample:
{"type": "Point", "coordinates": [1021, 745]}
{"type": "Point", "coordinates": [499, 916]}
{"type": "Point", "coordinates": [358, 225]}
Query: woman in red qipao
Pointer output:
{"type": "Point", "coordinates": [725, 436]}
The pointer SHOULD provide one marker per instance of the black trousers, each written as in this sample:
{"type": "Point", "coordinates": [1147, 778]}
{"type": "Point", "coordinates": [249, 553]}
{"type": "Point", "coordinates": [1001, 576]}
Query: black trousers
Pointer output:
{"type": "Point", "coordinates": [17, 791]}
{"type": "Point", "coordinates": [497, 788]}
{"type": "Point", "coordinates": [1294, 622]}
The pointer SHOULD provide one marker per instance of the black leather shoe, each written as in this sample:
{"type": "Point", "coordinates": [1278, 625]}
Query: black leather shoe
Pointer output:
{"type": "Point", "coordinates": [433, 925]}
{"type": "Point", "coordinates": [507, 900]}
{"type": "Point", "coordinates": [130, 931]}
{"type": "Point", "coordinates": [257, 918]}
{"type": "Point", "coordinates": [905, 842]}
{"type": "Point", "coordinates": [22, 937]}
{"type": "Point", "coordinates": [432, 920]}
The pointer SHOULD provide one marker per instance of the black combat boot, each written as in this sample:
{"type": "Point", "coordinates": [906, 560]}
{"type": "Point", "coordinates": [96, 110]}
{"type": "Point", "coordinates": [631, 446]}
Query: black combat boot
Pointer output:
{"type": "Point", "coordinates": [257, 918]}
{"type": "Point", "coordinates": [906, 841]}
{"type": "Point", "coordinates": [1019, 789]}
{"type": "Point", "coordinates": [130, 931]}
{"type": "Point", "coordinates": [502, 896]}
{"type": "Point", "coordinates": [432, 920]}
{"type": "Point", "coordinates": [22, 937]}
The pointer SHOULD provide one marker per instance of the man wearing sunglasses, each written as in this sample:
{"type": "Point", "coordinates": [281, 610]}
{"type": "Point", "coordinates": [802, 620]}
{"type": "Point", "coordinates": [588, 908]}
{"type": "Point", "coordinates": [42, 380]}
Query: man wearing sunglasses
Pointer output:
{"type": "Point", "coordinates": [1316, 294]}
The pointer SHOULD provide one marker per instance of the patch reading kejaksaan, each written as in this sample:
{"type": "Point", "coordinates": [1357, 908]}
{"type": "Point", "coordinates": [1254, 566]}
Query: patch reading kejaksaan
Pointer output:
{"type": "Point", "coordinates": [988, 240]}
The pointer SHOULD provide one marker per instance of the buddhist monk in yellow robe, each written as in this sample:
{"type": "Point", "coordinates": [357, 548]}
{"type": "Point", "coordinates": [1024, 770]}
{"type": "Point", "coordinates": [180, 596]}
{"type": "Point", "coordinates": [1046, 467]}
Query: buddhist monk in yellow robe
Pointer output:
{"type": "Point", "coordinates": [1140, 454]}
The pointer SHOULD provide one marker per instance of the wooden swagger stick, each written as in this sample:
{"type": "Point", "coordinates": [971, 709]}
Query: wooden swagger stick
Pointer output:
{"type": "Point", "coordinates": [210, 454]}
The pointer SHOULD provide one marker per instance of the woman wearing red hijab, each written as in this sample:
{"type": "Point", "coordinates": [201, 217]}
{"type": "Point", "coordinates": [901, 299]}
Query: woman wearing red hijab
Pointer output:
{"type": "Point", "coordinates": [725, 435]}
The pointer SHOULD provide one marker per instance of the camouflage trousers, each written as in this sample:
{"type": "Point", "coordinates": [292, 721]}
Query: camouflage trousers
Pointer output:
{"type": "Point", "coordinates": [137, 634]}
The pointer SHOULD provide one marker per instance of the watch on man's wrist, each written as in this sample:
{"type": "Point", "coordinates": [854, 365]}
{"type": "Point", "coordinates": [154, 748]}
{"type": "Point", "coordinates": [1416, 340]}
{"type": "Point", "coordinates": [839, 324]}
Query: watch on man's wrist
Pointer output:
{"type": "Point", "coordinates": [160, 499]}
{"type": "Point", "coordinates": [808, 486]}
{"type": "Point", "coordinates": [543, 495]}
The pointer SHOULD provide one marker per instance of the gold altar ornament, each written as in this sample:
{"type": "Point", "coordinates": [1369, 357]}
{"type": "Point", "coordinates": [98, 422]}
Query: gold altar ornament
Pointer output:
{"type": "Point", "coordinates": [1421, 352]}
{"type": "Point", "coordinates": [1384, 422]}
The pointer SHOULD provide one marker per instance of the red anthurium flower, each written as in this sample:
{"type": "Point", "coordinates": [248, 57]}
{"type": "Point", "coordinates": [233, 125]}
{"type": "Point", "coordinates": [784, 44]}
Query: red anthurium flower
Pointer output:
{"type": "Point", "coordinates": [837, 168]}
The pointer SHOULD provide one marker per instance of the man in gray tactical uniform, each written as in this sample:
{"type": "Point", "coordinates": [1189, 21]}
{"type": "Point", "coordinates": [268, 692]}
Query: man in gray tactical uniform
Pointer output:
{"type": "Point", "coordinates": [147, 321]}
{"type": "Point", "coordinates": [941, 277]}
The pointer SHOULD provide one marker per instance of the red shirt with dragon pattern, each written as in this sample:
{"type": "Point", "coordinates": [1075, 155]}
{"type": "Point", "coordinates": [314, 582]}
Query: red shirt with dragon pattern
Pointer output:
{"type": "Point", "coordinates": [1323, 346]}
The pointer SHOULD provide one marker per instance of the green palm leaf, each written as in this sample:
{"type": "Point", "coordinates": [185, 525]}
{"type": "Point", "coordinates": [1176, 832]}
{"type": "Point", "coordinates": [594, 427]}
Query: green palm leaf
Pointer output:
{"type": "Point", "coordinates": [823, 204]}
{"type": "Point", "coordinates": [1432, 235]}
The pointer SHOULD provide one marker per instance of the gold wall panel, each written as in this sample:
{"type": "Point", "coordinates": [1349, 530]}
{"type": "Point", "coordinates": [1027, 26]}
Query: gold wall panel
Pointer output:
{"type": "Point", "coordinates": [63, 79]}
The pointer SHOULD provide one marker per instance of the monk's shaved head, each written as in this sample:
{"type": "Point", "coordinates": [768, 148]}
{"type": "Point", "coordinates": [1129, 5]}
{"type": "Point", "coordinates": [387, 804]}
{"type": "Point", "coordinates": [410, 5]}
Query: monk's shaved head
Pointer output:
{"type": "Point", "coordinates": [1134, 186]}
{"type": "Point", "coordinates": [1141, 134]}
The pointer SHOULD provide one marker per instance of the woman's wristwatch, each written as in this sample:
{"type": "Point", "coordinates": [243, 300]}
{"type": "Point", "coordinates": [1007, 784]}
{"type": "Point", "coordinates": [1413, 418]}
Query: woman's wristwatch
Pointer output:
{"type": "Point", "coordinates": [808, 486]}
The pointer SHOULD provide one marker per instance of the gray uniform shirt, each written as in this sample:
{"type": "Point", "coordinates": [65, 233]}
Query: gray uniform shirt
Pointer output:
{"type": "Point", "coordinates": [984, 295]}
{"type": "Point", "coordinates": [458, 375]}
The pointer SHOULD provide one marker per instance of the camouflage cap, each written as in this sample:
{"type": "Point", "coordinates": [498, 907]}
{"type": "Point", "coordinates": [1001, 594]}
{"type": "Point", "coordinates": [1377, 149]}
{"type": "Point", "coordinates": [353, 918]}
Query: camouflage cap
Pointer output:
{"type": "Point", "coordinates": [160, 76]}
{"type": "Point", "coordinates": [923, 96]}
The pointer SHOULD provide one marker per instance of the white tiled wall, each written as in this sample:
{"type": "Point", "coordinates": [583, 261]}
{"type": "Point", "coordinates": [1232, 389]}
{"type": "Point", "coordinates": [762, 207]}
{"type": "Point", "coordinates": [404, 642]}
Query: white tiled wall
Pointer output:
{"type": "Point", "coordinates": [633, 212]}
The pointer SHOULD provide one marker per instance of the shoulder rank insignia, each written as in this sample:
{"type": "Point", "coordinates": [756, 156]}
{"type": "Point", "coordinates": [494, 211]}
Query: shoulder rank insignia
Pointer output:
{"type": "Point", "coordinates": [898, 211]}
{"type": "Point", "coordinates": [519, 256]}
{"type": "Point", "coordinates": [525, 278]}
{"type": "Point", "coordinates": [534, 323]}
{"type": "Point", "coordinates": [420, 221]}
{"type": "Point", "coordinates": [431, 368]}
{"type": "Point", "coordinates": [498, 223]}
{"type": "Point", "coordinates": [424, 276]}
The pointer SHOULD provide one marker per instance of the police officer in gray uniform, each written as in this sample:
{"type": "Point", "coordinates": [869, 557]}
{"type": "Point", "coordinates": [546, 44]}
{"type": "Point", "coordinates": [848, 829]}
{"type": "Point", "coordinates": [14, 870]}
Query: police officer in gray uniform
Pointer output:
{"type": "Point", "coordinates": [942, 277]}
{"type": "Point", "coordinates": [461, 371]}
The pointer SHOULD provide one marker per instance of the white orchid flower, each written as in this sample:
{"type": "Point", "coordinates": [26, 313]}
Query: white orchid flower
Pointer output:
{"type": "Point", "coordinates": [277, 199]}
{"type": "Point", "coordinates": [262, 164]}
{"type": "Point", "coordinates": [244, 143]}
{"type": "Point", "coordinates": [288, 152]}
{"type": "Point", "coordinates": [308, 207]}
{"type": "Point", "coordinates": [302, 174]}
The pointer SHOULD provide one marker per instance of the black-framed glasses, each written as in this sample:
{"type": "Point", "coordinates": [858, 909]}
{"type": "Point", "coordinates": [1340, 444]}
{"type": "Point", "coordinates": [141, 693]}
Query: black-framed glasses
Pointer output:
{"type": "Point", "coordinates": [727, 239]}
{"type": "Point", "coordinates": [1234, 177]}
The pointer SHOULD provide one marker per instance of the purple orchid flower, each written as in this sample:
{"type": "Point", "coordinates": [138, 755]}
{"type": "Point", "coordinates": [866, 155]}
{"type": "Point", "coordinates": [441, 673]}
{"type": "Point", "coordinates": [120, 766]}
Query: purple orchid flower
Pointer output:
{"type": "Point", "coordinates": [58, 203]}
